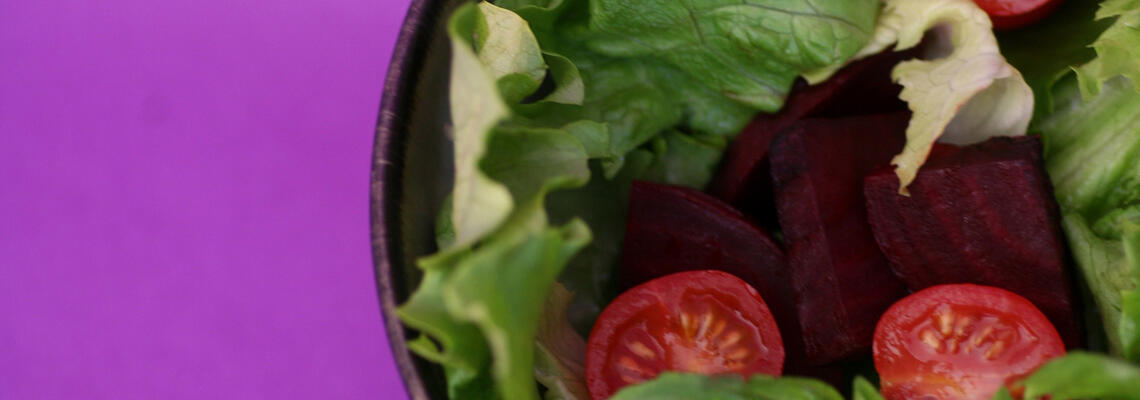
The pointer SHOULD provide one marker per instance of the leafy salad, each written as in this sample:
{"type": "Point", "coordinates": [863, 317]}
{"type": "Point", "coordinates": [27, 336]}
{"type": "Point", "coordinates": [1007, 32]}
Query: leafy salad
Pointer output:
{"type": "Point", "coordinates": [789, 199]}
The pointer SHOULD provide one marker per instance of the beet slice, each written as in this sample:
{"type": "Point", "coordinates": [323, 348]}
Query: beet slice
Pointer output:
{"type": "Point", "coordinates": [671, 229]}
{"type": "Point", "coordinates": [983, 214]}
{"type": "Point", "coordinates": [839, 276]}
{"type": "Point", "coordinates": [864, 87]}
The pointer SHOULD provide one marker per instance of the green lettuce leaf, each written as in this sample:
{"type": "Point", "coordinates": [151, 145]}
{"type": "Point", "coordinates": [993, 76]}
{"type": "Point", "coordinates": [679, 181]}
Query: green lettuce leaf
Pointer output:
{"type": "Point", "coordinates": [676, 386]}
{"type": "Point", "coordinates": [1107, 270]}
{"type": "Point", "coordinates": [1129, 328]}
{"type": "Point", "coordinates": [1080, 375]}
{"type": "Point", "coordinates": [602, 204]}
{"type": "Point", "coordinates": [862, 389]}
{"type": "Point", "coordinates": [1098, 42]}
{"type": "Point", "coordinates": [685, 160]}
{"type": "Point", "coordinates": [1092, 151]}
{"type": "Point", "coordinates": [560, 361]}
{"type": "Point", "coordinates": [632, 101]}
{"type": "Point", "coordinates": [639, 95]}
{"type": "Point", "coordinates": [1069, 31]}
{"type": "Point", "coordinates": [528, 160]}
{"type": "Point", "coordinates": [968, 95]}
{"type": "Point", "coordinates": [537, 111]}
{"type": "Point", "coordinates": [480, 300]}
{"type": "Point", "coordinates": [508, 51]}
{"type": "Point", "coordinates": [502, 287]}
{"type": "Point", "coordinates": [749, 50]}
{"type": "Point", "coordinates": [1092, 154]}
{"type": "Point", "coordinates": [458, 345]}
{"type": "Point", "coordinates": [568, 85]}
{"type": "Point", "coordinates": [1117, 49]}
{"type": "Point", "coordinates": [481, 204]}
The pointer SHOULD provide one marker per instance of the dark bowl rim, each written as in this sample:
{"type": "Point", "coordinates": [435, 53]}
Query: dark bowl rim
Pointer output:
{"type": "Point", "coordinates": [386, 181]}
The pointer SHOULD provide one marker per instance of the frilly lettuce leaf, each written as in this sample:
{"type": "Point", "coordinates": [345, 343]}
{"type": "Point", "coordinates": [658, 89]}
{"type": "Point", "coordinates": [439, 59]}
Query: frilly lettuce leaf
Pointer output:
{"type": "Point", "coordinates": [1092, 151]}
{"type": "Point", "coordinates": [509, 52]}
{"type": "Point", "coordinates": [560, 363]}
{"type": "Point", "coordinates": [458, 345]}
{"type": "Point", "coordinates": [1097, 40]}
{"type": "Point", "coordinates": [501, 288]}
{"type": "Point", "coordinates": [1069, 31]}
{"type": "Point", "coordinates": [632, 101]}
{"type": "Point", "coordinates": [530, 160]}
{"type": "Point", "coordinates": [640, 90]}
{"type": "Point", "coordinates": [481, 204]}
{"type": "Point", "coordinates": [1092, 154]}
{"type": "Point", "coordinates": [1108, 271]}
{"type": "Point", "coordinates": [967, 96]}
{"type": "Point", "coordinates": [749, 50]}
{"type": "Point", "coordinates": [1080, 375]}
{"type": "Point", "coordinates": [480, 299]}
{"type": "Point", "coordinates": [685, 160]}
{"type": "Point", "coordinates": [1117, 49]}
{"type": "Point", "coordinates": [532, 106]}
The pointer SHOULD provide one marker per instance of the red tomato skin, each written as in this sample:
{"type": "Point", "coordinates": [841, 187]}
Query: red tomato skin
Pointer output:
{"type": "Point", "coordinates": [1013, 14]}
{"type": "Point", "coordinates": [655, 306]}
{"type": "Point", "coordinates": [910, 367]}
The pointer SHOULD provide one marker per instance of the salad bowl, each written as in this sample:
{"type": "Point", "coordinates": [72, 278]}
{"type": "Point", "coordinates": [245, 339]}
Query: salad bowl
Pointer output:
{"type": "Point", "coordinates": [838, 174]}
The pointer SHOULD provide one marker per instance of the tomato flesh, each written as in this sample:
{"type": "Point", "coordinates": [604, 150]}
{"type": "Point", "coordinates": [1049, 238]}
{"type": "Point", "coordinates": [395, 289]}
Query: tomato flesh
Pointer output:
{"type": "Point", "coordinates": [960, 342]}
{"type": "Point", "coordinates": [1011, 14]}
{"type": "Point", "coordinates": [706, 322]}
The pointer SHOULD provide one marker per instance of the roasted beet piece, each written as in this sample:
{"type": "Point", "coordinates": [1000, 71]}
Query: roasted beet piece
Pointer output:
{"type": "Point", "coordinates": [983, 214]}
{"type": "Point", "coordinates": [864, 87]}
{"type": "Point", "coordinates": [672, 229]}
{"type": "Point", "coordinates": [841, 280]}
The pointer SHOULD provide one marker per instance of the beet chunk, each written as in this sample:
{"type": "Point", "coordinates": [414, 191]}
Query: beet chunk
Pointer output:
{"type": "Point", "coordinates": [864, 87]}
{"type": "Point", "coordinates": [841, 280]}
{"type": "Point", "coordinates": [672, 229]}
{"type": "Point", "coordinates": [983, 214]}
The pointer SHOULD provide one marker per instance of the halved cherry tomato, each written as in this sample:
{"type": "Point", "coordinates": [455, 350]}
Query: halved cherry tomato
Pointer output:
{"type": "Point", "coordinates": [707, 322]}
{"type": "Point", "coordinates": [1010, 14]}
{"type": "Point", "coordinates": [960, 342]}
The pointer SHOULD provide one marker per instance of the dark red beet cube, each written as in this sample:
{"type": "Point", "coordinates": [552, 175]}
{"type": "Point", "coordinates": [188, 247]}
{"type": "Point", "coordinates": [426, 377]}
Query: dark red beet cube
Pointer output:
{"type": "Point", "coordinates": [864, 87]}
{"type": "Point", "coordinates": [983, 214]}
{"type": "Point", "coordinates": [841, 280]}
{"type": "Point", "coordinates": [671, 229]}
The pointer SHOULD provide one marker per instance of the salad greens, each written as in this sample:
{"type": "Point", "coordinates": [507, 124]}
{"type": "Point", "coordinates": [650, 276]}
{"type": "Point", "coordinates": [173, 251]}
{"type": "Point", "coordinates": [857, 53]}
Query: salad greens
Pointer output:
{"type": "Point", "coordinates": [1118, 48]}
{"type": "Point", "coordinates": [862, 389]}
{"type": "Point", "coordinates": [1069, 31]}
{"type": "Point", "coordinates": [558, 104]}
{"type": "Point", "coordinates": [481, 301]}
{"type": "Point", "coordinates": [705, 38]}
{"type": "Point", "coordinates": [1092, 153]}
{"type": "Point", "coordinates": [478, 306]}
{"type": "Point", "coordinates": [967, 94]}
{"type": "Point", "coordinates": [1081, 375]}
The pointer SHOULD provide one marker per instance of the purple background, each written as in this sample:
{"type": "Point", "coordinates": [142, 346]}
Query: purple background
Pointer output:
{"type": "Point", "coordinates": [184, 199]}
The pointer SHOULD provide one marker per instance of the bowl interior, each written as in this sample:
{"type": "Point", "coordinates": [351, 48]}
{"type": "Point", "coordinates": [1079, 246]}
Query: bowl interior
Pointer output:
{"type": "Point", "coordinates": [411, 175]}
